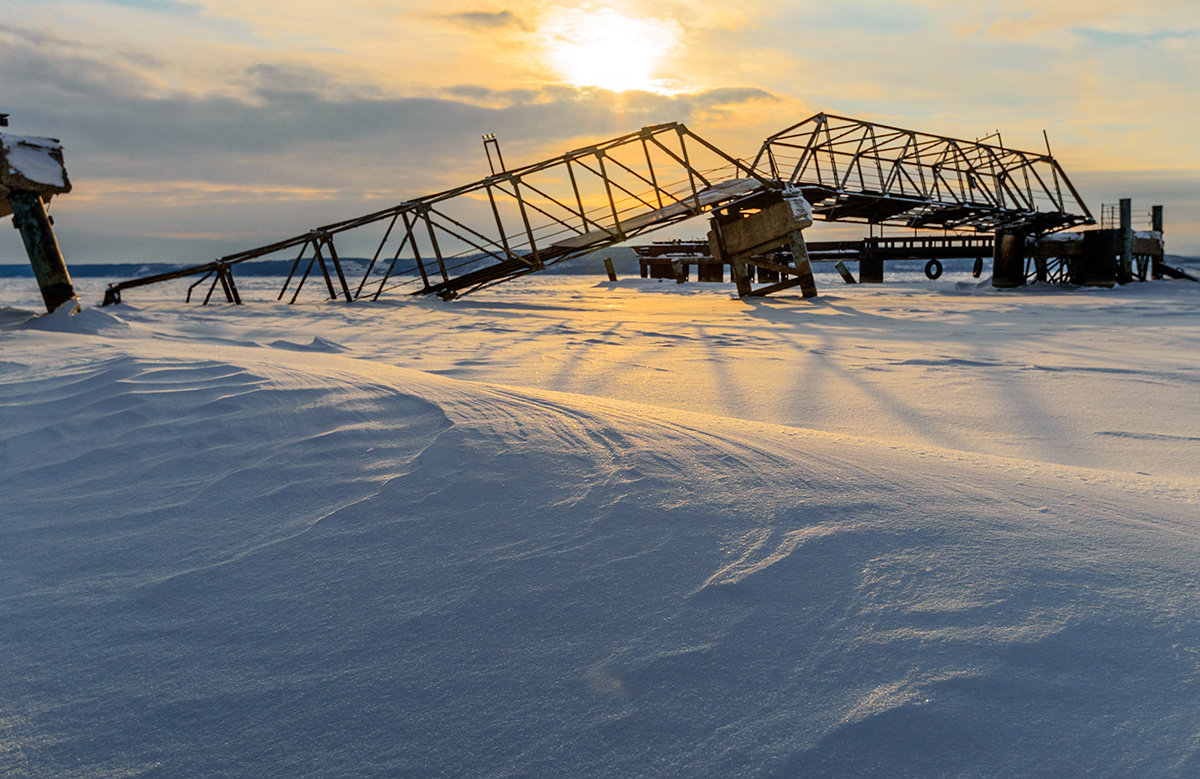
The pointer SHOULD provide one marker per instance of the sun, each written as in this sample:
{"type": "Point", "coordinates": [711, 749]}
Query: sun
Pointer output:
{"type": "Point", "coordinates": [602, 48]}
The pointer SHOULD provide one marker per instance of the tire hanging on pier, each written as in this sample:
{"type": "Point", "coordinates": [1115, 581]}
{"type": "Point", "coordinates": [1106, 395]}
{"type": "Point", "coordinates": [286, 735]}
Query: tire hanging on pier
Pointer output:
{"type": "Point", "coordinates": [933, 269]}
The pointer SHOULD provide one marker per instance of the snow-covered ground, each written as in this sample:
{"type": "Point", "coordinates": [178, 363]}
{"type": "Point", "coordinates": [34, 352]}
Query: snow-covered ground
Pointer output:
{"type": "Point", "coordinates": [567, 527]}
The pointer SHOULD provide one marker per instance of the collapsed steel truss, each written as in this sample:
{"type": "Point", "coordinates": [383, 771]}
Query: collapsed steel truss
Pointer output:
{"type": "Point", "coordinates": [519, 221]}
{"type": "Point", "coordinates": [511, 223]}
{"type": "Point", "coordinates": [857, 171]}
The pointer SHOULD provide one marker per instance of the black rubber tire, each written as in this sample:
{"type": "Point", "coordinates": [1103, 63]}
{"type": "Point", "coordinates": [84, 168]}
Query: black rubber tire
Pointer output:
{"type": "Point", "coordinates": [977, 271]}
{"type": "Point", "coordinates": [933, 269]}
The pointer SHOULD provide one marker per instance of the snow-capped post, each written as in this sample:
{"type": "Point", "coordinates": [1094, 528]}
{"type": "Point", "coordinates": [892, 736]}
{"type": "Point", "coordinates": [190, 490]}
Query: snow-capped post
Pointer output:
{"type": "Point", "coordinates": [32, 172]}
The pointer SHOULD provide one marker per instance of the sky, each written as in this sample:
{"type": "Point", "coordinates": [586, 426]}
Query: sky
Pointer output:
{"type": "Point", "coordinates": [194, 128]}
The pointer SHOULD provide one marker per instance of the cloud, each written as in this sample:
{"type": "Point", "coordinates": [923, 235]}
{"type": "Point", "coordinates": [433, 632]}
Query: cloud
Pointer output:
{"type": "Point", "coordinates": [486, 20]}
{"type": "Point", "coordinates": [265, 79]}
{"type": "Point", "coordinates": [366, 100]}
{"type": "Point", "coordinates": [1121, 38]}
{"type": "Point", "coordinates": [293, 146]}
{"type": "Point", "coordinates": [159, 6]}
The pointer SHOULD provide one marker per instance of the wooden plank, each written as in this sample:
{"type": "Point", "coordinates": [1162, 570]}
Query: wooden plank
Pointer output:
{"type": "Point", "coordinates": [844, 272]}
{"type": "Point", "coordinates": [758, 262]}
{"type": "Point", "coordinates": [764, 291]}
{"type": "Point", "coordinates": [760, 233]}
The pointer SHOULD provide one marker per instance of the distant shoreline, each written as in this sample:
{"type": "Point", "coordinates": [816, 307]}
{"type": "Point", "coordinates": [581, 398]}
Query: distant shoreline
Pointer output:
{"type": "Point", "coordinates": [355, 266]}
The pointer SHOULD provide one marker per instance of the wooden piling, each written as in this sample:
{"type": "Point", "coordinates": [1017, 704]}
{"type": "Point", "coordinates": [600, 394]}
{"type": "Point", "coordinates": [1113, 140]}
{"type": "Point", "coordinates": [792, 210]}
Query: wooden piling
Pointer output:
{"type": "Point", "coordinates": [49, 267]}
{"type": "Point", "coordinates": [844, 272]}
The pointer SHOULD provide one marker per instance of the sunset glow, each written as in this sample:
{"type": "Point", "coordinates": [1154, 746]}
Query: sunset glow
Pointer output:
{"type": "Point", "coordinates": [603, 49]}
{"type": "Point", "coordinates": [343, 106]}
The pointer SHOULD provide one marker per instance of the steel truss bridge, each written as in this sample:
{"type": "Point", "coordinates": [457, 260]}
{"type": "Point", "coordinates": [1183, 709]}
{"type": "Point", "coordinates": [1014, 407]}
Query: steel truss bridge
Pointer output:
{"type": "Point", "coordinates": [856, 171]}
{"type": "Point", "coordinates": [519, 221]}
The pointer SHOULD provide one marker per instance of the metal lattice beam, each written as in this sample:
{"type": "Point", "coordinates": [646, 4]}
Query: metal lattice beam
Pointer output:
{"type": "Point", "coordinates": [857, 171]}
{"type": "Point", "coordinates": [518, 221]}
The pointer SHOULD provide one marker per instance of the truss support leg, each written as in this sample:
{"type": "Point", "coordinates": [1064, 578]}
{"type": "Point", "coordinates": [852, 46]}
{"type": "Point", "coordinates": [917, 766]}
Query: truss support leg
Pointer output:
{"type": "Point", "coordinates": [235, 297]}
{"type": "Point", "coordinates": [325, 273]}
{"type": "Point", "coordinates": [222, 275]}
{"type": "Point", "coordinates": [304, 278]}
{"type": "Point", "coordinates": [609, 269]}
{"type": "Point", "coordinates": [1041, 268]}
{"type": "Point", "coordinates": [212, 287]}
{"type": "Point", "coordinates": [292, 272]}
{"type": "Point", "coordinates": [337, 266]}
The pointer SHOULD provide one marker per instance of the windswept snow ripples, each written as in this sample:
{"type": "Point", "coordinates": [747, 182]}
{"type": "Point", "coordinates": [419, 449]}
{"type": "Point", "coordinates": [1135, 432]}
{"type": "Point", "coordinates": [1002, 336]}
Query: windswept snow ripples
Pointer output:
{"type": "Point", "coordinates": [222, 559]}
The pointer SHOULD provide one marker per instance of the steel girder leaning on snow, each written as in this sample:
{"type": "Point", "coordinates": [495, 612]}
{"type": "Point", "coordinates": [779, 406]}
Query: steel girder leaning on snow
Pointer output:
{"type": "Point", "coordinates": [519, 221]}
{"type": "Point", "coordinates": [511, 223]}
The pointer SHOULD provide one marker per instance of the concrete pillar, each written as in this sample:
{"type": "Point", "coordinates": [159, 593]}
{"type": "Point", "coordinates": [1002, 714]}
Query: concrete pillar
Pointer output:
{"type": "Point", "coordinates": [1008, 260]}
{"type": "Point", "coordinates": [29, 216]}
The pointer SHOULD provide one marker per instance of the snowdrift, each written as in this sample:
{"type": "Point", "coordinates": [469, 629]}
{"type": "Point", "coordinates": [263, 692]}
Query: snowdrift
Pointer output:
{"type": "Point", "coordinates": [254, 554]}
